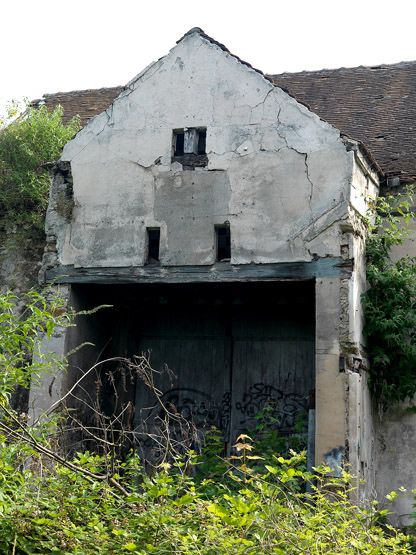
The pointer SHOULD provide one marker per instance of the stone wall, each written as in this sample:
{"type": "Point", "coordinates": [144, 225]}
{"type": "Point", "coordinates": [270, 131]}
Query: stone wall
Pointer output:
{"type": "Point", "coordinates": [20, 261]}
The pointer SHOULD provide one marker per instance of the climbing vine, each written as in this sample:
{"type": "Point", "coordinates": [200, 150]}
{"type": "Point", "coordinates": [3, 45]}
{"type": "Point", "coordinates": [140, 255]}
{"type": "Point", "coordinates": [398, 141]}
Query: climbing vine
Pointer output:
{"type": "Point", "coordinates": [390, 302]}
{"type": "Point", "coordinates": [28, 146]}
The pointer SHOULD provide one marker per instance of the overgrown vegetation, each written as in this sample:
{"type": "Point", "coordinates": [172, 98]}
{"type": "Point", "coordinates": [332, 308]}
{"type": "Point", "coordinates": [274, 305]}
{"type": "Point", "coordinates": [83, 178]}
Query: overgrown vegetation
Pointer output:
{"type": "Point", "coordinates": [28, 146]}
{"type": "Point", "coordinates": [250, 503]}
{"type": "Point", "coordinates": [251, 509]}
{"type": "Point", "coordinates": [22, 321]}
{"type": "Point", "coordinates": [390, 303]}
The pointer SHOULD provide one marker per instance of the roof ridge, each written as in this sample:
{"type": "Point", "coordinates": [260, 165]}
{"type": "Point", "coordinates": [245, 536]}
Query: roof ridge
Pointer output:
{"type": "Point", "coordinates": [85, 91]}
{"type": "Point", "coordinates": [409, 63]}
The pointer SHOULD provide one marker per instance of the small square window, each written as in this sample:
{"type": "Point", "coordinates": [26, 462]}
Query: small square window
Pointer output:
{"type": "Point", "coordinates": [223, 242]}
{"type": "Point", "coordinates": [189, 147]}
{"type": "Point", "coordinates": [153, 243]}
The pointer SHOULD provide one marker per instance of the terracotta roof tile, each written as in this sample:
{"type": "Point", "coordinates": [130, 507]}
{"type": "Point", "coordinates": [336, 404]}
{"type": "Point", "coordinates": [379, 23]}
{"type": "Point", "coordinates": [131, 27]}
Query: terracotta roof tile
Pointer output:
{"type": "Point", "coordinates": [85, 104]}
{"type": "Point", "coordinates": [375, 105]}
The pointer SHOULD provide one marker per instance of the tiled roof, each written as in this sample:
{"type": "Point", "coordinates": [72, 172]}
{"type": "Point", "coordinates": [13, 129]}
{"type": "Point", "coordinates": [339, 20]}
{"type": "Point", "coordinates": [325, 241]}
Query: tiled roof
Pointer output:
{"type": "Point", "coordinates": [85, 104]}
{"type": "Point", "coordinates": [374, 105]}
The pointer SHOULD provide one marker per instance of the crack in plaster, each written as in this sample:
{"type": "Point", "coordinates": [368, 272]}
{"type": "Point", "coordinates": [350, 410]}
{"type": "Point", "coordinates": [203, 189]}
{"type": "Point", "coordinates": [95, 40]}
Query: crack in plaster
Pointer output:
{"type": "Point", "coordinates": [95, 135]}
{"type": "Point", "coordinates": [305, 159]}
{"type": "Point", "coordinates": [310, 181]}
{"type": "Point", "coordinates": [136, 163]}
{"type": "Point", "coordinates": [262, 102]}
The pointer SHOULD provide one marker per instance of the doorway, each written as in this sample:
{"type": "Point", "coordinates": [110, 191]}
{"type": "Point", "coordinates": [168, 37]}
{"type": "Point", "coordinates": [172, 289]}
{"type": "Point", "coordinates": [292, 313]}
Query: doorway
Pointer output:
{"type": "Point", "coordinates": [235, 356]}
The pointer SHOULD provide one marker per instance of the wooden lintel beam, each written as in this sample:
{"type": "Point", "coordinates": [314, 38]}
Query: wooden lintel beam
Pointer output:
{"type": "Point", "coordinates": [220, 272]}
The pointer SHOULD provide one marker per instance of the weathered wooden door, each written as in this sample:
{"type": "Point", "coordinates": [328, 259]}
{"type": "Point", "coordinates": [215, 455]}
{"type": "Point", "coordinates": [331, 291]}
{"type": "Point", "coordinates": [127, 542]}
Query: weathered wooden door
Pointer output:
{"type": "Point", "coordinates": [231, 350]}
{"type": "Point", "coordinates": [272, 362]}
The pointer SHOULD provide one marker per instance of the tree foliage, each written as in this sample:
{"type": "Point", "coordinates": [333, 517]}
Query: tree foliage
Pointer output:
{"type": "Point", "coordinates": [390, 303]}
{"type": "Point", "coordinates": [28, 146]}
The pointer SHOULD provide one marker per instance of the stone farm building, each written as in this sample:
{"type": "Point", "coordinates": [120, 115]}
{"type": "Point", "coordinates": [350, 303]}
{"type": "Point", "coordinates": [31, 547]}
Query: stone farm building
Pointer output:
{"type": "Point", "coordinates": [219, 211]}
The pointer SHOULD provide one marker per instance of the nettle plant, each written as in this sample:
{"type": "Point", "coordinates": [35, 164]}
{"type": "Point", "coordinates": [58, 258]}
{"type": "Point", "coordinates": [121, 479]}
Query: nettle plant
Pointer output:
{"type": "Point", "coordinates": [390, 302]}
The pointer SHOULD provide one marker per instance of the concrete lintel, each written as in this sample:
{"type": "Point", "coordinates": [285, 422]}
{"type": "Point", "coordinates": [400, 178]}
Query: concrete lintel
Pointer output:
{"type": "Point", "coordinates": [221, 272]}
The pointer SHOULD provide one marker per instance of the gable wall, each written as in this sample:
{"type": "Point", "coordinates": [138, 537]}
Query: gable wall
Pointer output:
{"type": "Point", "coordinates": [276, 172]}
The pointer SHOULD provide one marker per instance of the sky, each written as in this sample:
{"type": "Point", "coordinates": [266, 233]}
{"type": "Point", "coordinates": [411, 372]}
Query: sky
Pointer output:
{"type": "Point", "coordinates": [48, 46]}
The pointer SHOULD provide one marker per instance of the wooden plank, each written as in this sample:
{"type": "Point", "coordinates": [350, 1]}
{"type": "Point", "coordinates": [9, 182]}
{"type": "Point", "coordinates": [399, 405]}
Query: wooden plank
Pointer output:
{"type": "Point", "coordinates": [191, 340]}
{"type": "Point", "coordinates": [220, 272]}
{"type": "Point", "coordinates": [273, 367]}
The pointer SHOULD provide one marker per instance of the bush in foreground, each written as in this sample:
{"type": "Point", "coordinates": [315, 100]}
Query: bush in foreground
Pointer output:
{"type": "Point", "coordinates": [243, 505]}
{"type": "Point", "coordinates": [247, 504]}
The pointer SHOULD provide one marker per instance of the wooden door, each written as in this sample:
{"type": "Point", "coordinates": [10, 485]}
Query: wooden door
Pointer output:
{"type": "Point", "coordinates": [272, 366]}
{"type": "Point", "coordinates": [232, 352]}
{"type": "Point", "coordinates": [189, 345]}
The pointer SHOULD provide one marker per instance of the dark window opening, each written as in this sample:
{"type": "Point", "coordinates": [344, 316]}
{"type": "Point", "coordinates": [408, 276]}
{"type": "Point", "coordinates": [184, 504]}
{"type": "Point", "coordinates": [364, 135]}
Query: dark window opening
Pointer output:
{"type": "Point", "coordinates": [153, 242]}
{"type": "Point", "coordinates": [202, 141]}
{"type": "Point", "coordinates": [223, 242]}
{"type": "Point", "coordinates": [189, 147]}
{"type": "Point", "coordinates": [179, 139]}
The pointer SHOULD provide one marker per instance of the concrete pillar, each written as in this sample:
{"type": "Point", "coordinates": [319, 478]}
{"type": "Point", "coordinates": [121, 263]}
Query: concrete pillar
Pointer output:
{"type": "Point", "coordinates": [331, 407]}
{"type": "Point", "coordinates": [361, 437]}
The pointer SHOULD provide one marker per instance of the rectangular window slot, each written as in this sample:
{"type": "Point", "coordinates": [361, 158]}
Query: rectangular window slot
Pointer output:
{"type": "Point", "coordinates": [153, 243]}
{"type": "Point", "coordinates": [202, 141]}
{"type": "Point", "coordinates": [179, 140]}
{"type": "Point", "coordinates": [223, 242]}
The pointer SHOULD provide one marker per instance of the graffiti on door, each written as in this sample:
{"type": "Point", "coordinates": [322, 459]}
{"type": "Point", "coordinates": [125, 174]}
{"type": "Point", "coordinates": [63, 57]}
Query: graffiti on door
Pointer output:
{"type": "Point", "coordinates": [283, 408]}
{"type": "Point", "coordinates": [204, 411]}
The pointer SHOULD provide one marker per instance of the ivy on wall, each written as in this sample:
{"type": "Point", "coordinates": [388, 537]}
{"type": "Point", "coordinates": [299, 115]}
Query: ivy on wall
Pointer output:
{"type": "Point", "coordinates": [390, 303]}
{"type": "Point", "coordinates": [28, 146]}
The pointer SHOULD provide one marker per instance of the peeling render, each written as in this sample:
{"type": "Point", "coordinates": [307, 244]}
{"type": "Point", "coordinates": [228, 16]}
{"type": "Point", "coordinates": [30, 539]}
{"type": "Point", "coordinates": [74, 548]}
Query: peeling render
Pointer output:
{"type": "Point", "coordinates": [275, 171]}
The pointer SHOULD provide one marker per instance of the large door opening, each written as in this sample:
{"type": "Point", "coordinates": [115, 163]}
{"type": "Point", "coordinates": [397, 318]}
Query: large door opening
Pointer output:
{"type": "Point", "coordinates": [236, 353]}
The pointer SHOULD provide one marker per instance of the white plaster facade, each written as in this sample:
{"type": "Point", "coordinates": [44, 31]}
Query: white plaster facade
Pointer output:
{"type": "Point", "coordinates": [276, 172]}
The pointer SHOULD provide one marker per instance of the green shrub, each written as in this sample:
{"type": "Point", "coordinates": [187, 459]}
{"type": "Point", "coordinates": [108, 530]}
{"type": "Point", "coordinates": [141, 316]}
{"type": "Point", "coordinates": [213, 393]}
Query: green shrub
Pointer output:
{"type": "Point", "coordinates": [251, 503]}
{"type": "Point", "coordinates": [246, 510]}
{"type": "Point", "coordinates": [22, 321]}
{"type": "Point", "coordinates": [28, 146]}
{"type": "Point", "coordinates": [390, 304]}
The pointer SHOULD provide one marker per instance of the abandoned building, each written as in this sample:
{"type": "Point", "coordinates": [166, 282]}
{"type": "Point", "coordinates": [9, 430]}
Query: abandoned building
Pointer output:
{"type": "Point", "coordinates": [219, 211]}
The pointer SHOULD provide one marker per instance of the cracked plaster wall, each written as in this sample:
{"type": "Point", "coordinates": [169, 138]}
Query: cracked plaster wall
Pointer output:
{"type": "Point", "coordinates": [280, 175]}
{"type": "Point", "coordinates": [360, 418]}
{"type": "Point", "coordinates": [395, 456]}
